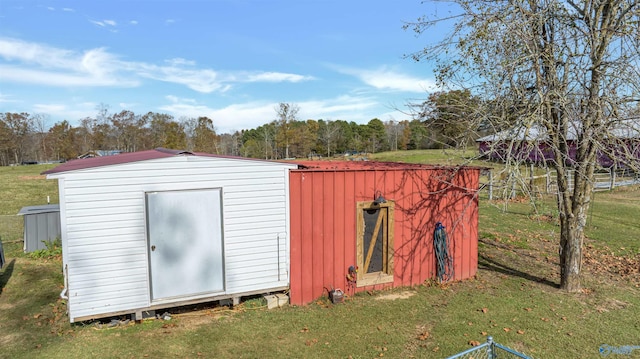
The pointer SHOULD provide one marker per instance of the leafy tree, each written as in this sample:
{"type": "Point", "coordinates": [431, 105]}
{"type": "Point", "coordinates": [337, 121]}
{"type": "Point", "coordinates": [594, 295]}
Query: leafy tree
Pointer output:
{"type": "Point", "coordinates": [345, 137]}
{"type": "Point", "coordinates": [262, 138]}
{"type": "Point", "coordinates": [570, 67]}
{"type": "Point", "coordinates": [62, 141]}
{"type": "Point", "coordinates": [205, 138]}
{"type": "Point", "coordinates": [452, 117]}
{"type": "Point", "coordinates": [253, 148]}
{"type": "Point", "coordinates": [377, 136]}
{"type": "Point", "coordinates": [304, 134]}
{"type": "Point", "coordinates": [358, 135]}
{"type": "Point", "coordinates": [16, 129]}
{"type": "Point", "coordinates": [5, 143]}
{"type": "Point", "coordinates": [126, 130]}
{"type": "Point", "coordinates": [165, 132]}
{"type": "Point", "coordinates": [418, 135]}
{"type": "Point", "coordinates": [287, 115]}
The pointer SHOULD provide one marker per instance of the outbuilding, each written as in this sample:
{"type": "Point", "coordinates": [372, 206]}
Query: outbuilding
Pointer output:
{"type": "Point", "coordinates": [41, 226]}
{"type": "Point", "coordinates": [362, 225]}
{"type": "Point", "coordinates": [161, 228]}
{"type": "Point", "coordinates": [619, 147]}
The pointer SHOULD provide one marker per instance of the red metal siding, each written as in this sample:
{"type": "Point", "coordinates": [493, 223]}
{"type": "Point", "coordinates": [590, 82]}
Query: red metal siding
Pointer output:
{"type": "Point", "coordinates": [323, 223]}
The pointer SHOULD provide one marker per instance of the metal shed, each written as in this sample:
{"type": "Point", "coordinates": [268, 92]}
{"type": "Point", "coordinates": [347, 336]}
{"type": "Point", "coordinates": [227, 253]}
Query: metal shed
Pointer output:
{"type": "Point", "coordinates": [161, 228]}
{"type": "Point", "coordinates": [338, 221]}
{"type": "Point", "coordinates": [41, 224]}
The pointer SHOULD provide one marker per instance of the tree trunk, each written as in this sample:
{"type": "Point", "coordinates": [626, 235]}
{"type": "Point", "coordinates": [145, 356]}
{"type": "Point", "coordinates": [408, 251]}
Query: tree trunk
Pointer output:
{"type": "Point", "coordinates": [571, 238]}
{"type": "Point", "coordinates": [573, 221]}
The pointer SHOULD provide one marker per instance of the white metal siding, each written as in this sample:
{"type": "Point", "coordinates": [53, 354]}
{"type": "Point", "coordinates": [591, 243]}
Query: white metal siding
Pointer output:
{"type": "Point", "coordinates": [104, 239]}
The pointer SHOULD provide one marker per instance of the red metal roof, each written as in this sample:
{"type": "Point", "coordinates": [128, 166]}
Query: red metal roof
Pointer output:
{"type": "Point", "coordinates": [128, 157]}
{"type": "Point", "coordinates": [367, 166]}
{"type": "Point", "coordinates": [358, 165]}
{"type": "Point", "coordinates": [304, 165]}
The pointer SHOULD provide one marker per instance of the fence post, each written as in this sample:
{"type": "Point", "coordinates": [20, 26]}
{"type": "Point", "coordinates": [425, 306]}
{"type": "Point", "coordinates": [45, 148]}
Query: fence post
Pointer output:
{"type": "Point", "coordinates": [547, 181]}
{"type": "Point", "coordinates": [490, 185]}
{"type": "Point", "coordinates": [531, 192]}
{"type": "Point", "coordinates": [612, 185]}
{"type": "Point", "coordinates": [490, 347]}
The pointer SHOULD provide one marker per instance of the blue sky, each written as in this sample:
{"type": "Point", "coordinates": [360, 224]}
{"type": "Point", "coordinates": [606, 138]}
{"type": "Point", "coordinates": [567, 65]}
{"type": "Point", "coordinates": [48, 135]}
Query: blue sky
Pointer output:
{"type": "Point", "coordinates": [232, 61]}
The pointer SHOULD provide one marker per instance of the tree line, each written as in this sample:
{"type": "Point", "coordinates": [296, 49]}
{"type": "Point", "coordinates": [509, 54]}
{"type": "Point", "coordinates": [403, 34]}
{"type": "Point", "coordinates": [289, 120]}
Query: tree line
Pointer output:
{"type": "Point", "coordinates": [25, 138]}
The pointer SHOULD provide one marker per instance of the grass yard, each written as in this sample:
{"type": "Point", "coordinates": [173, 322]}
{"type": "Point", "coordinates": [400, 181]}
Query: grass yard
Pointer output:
{"type": "Point", "coordinates": [514, 297]}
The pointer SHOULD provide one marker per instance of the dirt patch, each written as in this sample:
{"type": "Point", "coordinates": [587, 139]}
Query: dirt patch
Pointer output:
{"type": "Point", "coordinates": [7, 306]}
{"type": "Point", "coordinates": [32, 177]}
{"type": "Point", "coordinates": [611, 304]}
{"type": "Point", "coordinates": [393, 296]}
{"type": "Point", "coordinates": [6, 340]}
{"type": "Point", "coordinates": [196, 319]}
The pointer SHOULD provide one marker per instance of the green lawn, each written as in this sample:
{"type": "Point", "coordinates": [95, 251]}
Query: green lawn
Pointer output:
{"type": "Point", "coordinates": [514, 298]}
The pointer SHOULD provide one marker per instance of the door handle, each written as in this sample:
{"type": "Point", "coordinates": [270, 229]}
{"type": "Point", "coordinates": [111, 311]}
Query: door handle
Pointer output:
{"type": "Point", "coordinates": [153, 248]}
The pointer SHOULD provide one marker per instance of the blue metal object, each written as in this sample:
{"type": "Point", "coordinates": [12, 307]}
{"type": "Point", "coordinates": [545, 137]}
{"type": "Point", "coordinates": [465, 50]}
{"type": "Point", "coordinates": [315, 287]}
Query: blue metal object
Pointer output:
{"type": "Point", "coordinates": [489, 350]}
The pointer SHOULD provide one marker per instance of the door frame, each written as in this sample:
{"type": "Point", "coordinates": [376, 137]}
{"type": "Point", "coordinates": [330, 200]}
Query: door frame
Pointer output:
{"type": "Point", "coordinates": [385, 276]}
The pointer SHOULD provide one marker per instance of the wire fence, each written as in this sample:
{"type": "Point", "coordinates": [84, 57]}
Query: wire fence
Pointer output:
{"type": "Point", "coordinates": [489, 350]}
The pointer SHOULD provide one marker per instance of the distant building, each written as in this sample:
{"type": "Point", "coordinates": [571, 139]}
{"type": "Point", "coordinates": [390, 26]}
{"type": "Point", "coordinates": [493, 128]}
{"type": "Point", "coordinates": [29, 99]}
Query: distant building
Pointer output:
{"type": "Point", "coordinates": [531, 144]}
{"type": "Point", "coordinates": [99, 153]}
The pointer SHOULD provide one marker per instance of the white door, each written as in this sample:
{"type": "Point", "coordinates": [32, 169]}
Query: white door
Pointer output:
{"type": "Point", "coordinates": [184, 230]}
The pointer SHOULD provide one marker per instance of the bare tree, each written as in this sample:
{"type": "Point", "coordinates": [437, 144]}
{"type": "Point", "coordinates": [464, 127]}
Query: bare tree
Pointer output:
{"type": "Point", "coordinates": [40, 127]}
{"type": "Point", "coordinates": [286, 115]}
{"type": "Point", "coordinates": [561, 68]}
{"type": "Point", "coordinates": [328, 133]}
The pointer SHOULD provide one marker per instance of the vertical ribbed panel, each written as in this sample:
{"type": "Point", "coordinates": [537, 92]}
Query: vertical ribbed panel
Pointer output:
{"type": "Point", "coordinates": [323, 224]}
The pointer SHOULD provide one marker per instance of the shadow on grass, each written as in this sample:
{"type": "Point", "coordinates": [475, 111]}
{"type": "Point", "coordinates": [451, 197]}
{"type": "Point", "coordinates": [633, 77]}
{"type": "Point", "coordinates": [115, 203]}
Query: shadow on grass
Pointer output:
{"type": "Point", "coordinates": [492, 265]}
{"type": "Point", "coordinates": [488, 263]}
{"type": "Point", "coordinates": [7, 271]}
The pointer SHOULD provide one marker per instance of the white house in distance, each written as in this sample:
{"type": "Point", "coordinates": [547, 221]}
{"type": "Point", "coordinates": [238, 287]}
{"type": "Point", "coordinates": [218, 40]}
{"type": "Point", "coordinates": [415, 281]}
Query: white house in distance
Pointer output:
{"type": "Point", "coordinates": [160, 228]}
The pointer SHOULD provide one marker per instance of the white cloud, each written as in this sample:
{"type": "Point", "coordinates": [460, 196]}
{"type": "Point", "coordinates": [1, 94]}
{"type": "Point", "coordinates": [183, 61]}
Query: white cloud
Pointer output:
{"type": "Point", "coordinates": [104, 23]}
{"type": "Point", "coordinates": [340, 108]}
{"type": "Point", "coordinates": [385, 78]}
{"type": "Point", "coordinates": [178, 61]}
{"type": "Point", "coordinates": [40, 64]}
{"type": "Point", "coordinates": [6, 98]}
{"type": "Point", "coordinates": [249, 115]}
{"type": "Point", "coordinates": [35, 63]}
{"type": "Point", "coordinates": [50, 108]}
{"type": "Point", "coordinates": [205, 81]}
{"type": "Point", "coordinates": [18, 50]}
{"type": "Point", "coordinates": [61, 112]}
{"type": "Point", "coordinates": [127, 105]}
{"type": "Point", "coordinates": [133, 22]}
{"type": "Point", "coordinates": [276, 77]}
{"type": "Point", "coordinates": [34, 76]}
{"type": "Point", "coordinates": [99, 23]}
{"type": "Point", "coordinates": [228, 119]}
{"type": "Point", "coordinates": [68, 9]}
